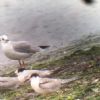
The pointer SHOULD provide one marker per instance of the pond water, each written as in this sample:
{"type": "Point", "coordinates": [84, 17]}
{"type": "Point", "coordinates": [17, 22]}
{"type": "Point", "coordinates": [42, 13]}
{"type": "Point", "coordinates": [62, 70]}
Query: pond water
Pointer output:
{"type": "Point", "coordinates": [53, 22]}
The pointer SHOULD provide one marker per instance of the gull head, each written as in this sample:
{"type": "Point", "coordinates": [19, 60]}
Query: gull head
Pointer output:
{"type": "Point", "coordinates": [20, 70]}
{"type": "Point", "coordinates": [4, 39]}
{"type": "Point", "coordinates": [34, 75]}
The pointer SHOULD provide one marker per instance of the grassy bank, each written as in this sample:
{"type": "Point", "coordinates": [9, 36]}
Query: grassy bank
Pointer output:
{"type": "Point", "coordinates": [83, 63]}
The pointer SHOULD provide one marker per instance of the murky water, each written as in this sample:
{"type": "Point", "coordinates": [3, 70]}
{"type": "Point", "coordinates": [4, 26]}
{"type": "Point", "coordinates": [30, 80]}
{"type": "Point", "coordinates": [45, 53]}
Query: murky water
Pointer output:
{"type": "Point", "coordinates": [54, 22]}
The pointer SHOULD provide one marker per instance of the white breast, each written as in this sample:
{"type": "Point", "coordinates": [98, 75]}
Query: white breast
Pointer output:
{"type": "Point", "coordinates": [8, 50]}
{"type": "Point", "coordinates": [12, 54]}
{"type": "Point", "coordinates": [35, 84]}
{"type": "Point", "coordinates": [6, 46]}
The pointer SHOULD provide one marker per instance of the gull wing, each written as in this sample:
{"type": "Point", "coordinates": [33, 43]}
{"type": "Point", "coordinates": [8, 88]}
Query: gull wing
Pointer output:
{"type": "Point", "coordinates": [51, 84]}
{"type": "Point", "coordinates": [24, 47]}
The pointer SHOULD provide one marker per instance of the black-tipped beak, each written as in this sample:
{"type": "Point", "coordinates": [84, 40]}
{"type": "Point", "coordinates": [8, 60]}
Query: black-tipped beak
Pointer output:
{"type": "Point", "coordinates": [26, 80]}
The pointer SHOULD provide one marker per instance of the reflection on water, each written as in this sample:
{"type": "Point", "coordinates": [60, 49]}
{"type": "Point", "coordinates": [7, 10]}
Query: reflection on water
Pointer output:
{"type": "Point", "coordinates": [54, 22]}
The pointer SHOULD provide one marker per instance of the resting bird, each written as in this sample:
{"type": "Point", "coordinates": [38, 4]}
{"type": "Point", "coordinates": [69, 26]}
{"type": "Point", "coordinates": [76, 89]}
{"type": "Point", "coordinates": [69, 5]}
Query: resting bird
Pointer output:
{"type": "Point", "coordinates": [18, 50]}
{"type": "Point", "coordinates": [47, 85]}
{"type": "Point", "coordinates": [23, 74]}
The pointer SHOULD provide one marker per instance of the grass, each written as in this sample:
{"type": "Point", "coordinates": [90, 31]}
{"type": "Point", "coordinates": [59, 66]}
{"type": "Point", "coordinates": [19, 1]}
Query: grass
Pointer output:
{"type": "Point", "coordinates": [83, 63]}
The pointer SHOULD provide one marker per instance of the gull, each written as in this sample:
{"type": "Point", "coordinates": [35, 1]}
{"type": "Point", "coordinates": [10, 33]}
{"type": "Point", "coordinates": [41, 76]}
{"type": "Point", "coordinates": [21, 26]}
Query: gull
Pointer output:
{"type": "Point", "coordinates": [47, 85]}
{"type": "Point", "coordinates": [19, 50]}
{"type": "Point", "coordinates": [9, 83]}
{"type": "Point", "coordinates": [24, 74]}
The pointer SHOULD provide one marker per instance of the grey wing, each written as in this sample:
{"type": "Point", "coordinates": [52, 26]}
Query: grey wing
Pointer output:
{"type": "Point", "coordinates": [49, 84]}
{"type": "Point", "coordinates": [23, 47]}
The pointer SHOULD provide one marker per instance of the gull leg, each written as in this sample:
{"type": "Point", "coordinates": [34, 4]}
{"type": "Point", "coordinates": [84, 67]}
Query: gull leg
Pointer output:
{"type": "Point", "coordinates": [24, 63]}
{"type": "Point", "coordinates": [20, 63]}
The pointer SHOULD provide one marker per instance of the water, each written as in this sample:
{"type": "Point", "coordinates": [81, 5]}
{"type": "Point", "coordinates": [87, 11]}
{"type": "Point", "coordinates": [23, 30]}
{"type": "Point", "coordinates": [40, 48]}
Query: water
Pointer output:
{"type": "Point", "coordinates": [54, 22]}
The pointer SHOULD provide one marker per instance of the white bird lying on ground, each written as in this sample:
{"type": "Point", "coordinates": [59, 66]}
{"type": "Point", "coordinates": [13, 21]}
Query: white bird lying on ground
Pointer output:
{"type": "Point", "coordinates": [18, 50]}
{"type": "Point", "coordinates": [47, 85]}
{"type": "Point", "coordinates": [9, 83]}
{"type": "Point", "coordinates": [24, 74]}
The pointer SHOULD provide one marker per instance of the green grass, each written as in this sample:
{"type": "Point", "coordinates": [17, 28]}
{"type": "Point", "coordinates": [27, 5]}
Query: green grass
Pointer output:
{"type": "Point", "coordinates": [82, 63]}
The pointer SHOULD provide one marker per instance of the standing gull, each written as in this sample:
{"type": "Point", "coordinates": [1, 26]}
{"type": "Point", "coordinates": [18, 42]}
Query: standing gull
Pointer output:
{"type": "Point", "coordinates": [18, 50]}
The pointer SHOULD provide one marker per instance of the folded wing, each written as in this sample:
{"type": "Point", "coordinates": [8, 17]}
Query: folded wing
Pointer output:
{"type": "Point", "coordinates": [24, 47]}
{"type": "Point", "coordinates": [51, 84]}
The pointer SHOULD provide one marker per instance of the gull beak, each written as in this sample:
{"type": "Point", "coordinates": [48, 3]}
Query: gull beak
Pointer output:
{"type": "Point", "coordinates": [27, 78]}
